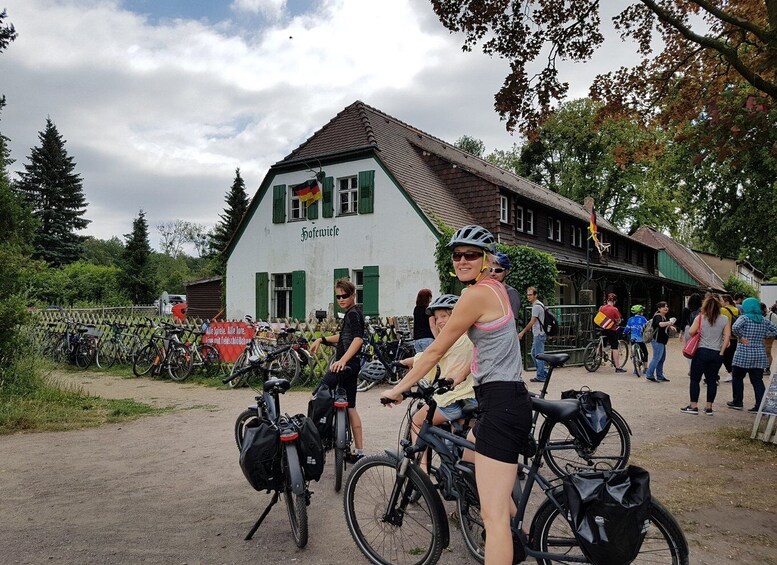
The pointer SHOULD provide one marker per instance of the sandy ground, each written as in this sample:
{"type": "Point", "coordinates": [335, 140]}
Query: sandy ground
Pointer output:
{"type": "Point", "coordinates": [168, 489]}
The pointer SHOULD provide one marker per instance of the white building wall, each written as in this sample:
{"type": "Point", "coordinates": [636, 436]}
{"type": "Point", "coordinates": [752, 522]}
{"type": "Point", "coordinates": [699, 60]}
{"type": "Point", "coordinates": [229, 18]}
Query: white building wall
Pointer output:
{"type": "Point", "coordinates": [394, 237]}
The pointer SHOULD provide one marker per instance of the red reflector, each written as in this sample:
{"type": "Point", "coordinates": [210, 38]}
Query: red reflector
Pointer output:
{"type": "Point", "coordinates": [341, 404]}
{"type": "Point", "coordinates": [289, 437]}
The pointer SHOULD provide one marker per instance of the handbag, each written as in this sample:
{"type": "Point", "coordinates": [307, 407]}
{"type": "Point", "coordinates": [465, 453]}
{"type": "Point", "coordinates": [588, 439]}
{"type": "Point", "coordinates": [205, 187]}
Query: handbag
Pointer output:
{"type": "Point", "coordinates": [690, 347]}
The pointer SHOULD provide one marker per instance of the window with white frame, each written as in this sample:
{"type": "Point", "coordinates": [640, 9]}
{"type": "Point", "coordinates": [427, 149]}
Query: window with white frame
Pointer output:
{"type": "Point", "coordinates": [519, 218]}
{"type": "Point", "coordinates": [504, 215]}
{"type": "Point", "coordinates": [554, 229]}
{"type": "Point", "coordinates": [577, 236]}
{"type": "Point", "coordinates": [347, 195]}
{"type": "Point", "coordinates": [281, 295]}
{"type": "Point", "coordinates": [358, 282]}
{"type": "Point", "coordinates": [528, 221]}
{"type": "Point", "coordinates": [296, 207]}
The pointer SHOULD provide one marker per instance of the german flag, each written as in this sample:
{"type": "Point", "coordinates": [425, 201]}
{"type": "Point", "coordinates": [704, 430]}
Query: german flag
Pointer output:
{"type": "Point", "coordinates": [308, 192]}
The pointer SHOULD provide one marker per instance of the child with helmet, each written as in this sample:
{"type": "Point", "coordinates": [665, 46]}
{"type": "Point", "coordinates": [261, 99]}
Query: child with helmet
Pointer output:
{"type": "Point", "coordinates": [635, 325]}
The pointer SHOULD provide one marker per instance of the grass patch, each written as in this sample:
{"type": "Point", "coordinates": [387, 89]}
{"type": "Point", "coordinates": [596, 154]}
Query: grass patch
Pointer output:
{"type": "Point", "coordinates": [724, 467]}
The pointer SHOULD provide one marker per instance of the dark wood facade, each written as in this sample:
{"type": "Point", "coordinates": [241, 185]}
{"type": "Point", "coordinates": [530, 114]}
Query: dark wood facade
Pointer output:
{"type": "Point", "coordinates": [203, 298]}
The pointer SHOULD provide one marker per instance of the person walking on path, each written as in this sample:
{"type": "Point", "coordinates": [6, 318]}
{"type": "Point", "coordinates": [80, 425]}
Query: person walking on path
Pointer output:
{"type": "Point", "coordinates": [730, 311]}
{"type": "Point", "coordinates": [538, 334]}
{"type": "Point", "coordinates": [655, 372]}
{"type": "Point", "coordinates": [423, 334]}
{"type": "Point", "coordinates": [348, 344]}
{"type": "Point", "coordinates": [751, 330]}
{"type": "Point", "coordinates": [715, 333]}
{"type": "Point", "coordinates": [499, 271]}
{"type": "Point", "coordinates": [503, 428]}
{"type": "Point", "coordinates": [611, 334]}
{"type": "Point", "coordinates": [769, 316]}
{"type": "Point", "coordinates": [635, 325]}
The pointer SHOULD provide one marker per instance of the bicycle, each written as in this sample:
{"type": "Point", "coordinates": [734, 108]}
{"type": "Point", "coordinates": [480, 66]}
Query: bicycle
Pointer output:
{"type": "Point", "coordinates": [164, 351]}
{"type": "Point", "coordinates": [637, 358]}
{"type": "Point", "coordinates": [341, 428]}
{"type": "Point", "coordinates": [565, 453]}
{"type": "Point", "coordinates": [597, 353]}
{"type": "Point", "coordinates": [395, 513]}
{"type": "Point", "coordinates": [205, 357]}
{"type": "Point", "coordinates": [379, 357]}
{"type": "Point", "coordinates": [121, 347]}
{"type": "Point", "coordinates": [293, 485]}
{"type": "Point", "coordinates": [290, 363]}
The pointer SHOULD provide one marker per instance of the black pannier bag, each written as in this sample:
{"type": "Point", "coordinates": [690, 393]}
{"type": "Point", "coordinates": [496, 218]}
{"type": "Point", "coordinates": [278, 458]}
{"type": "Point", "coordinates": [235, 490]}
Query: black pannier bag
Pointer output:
{"type": "Point", "coordinates": [260, 458]}
{"type": "Point", "coordinates": [609, 512]}
{"type": "Point", "coordinates": [594, 416]}
{"type": "Point", "coordinates": [322, 411]}
{"type": "Point", "coordinates": [311, 450]}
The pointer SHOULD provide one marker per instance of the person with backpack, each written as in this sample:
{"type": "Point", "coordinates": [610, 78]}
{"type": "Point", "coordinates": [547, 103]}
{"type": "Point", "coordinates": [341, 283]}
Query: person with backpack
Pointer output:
{"type": "Point", "coordinates": [659, 323]}
{"type": "Point", "coordinates": [611, 334]}
{"type": "Point", "coordinates": [348, 344]}
{"type": "Point", "coordinates": [539, 336]}
{"type": "Point", "coordinates": [635, 325]}
{"type": "Point", "coordinates": [730, 311]}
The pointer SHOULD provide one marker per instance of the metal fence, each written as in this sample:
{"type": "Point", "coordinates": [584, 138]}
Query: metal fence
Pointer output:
{"type": "Point", "coordinates": [575, 330]}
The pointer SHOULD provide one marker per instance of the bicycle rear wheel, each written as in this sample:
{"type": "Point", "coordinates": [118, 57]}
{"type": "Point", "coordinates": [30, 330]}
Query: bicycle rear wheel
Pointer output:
{"type": "Point", "coordinates": [623, 353]}
{"type": "Point", "coordinates": [297, 508]}
{"type": "Point", "coordinates": [248, 418]}
{"type": "Point", "coordinates": [612, 453]}
{"type": "Point", "coordinates": [289, 365]}
{"type": "Point", "coordinates": [636, 359]}
{"type": "Point", "coordinates": [179, 362]}
{"type": "Point", "coordinates": [85, 354]}
{"type": "Point", "coordinates": [148, 357]}
{"type": "Point", "coordinates": [241, 362]}
{"type": "Point", "coordinates": [410, 533]}
{"type": "Point", "coordinates": [468, 508]}
{"type": "Point", "coordinates": [664, 541]}
{"type": "Point", "coordinates": [106, 354]}
{"type": "Point", "coordinates": [211, 360]}
{"type": "Point", "coordinates": [592, 357]}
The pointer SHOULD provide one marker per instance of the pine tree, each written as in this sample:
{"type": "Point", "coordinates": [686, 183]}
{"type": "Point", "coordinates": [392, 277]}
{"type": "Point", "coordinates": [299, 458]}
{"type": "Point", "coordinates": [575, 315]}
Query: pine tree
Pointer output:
{"type": "Point", "coordinates": [54, 191]}
{"type": "Point", "coordinates": [137, 275]}
{"type": "Point", "coordinates": [237, 205]}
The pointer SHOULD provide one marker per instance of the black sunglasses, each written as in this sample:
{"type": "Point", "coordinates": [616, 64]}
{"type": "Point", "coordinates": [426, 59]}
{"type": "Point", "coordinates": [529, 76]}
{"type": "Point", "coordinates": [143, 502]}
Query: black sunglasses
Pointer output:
{"type": "Point", "coordinates": [497, 270]}
{"type": "Point", "coordinates": [342, 296]}
{"type": "Point", "coordinates": [467, 255]}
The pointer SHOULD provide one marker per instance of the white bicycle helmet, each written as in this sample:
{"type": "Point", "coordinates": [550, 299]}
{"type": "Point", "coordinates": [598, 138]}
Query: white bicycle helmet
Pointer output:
{"type": "Point", "coordinates": [442, 302]}
{"type": "Point", "coordinates": [373, 371]}
{"type": "Point", "coordinates": [476, 236]}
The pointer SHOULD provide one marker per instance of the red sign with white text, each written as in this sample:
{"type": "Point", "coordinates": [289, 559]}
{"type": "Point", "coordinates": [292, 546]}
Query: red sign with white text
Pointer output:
{"type": "Point", "coordinates": [229, 338]}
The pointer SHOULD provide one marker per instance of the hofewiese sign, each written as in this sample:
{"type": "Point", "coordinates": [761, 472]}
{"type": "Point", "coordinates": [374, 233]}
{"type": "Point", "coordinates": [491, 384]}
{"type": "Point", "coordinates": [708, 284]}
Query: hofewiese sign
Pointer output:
{"type": "Point", "coordinates": [316, 233]}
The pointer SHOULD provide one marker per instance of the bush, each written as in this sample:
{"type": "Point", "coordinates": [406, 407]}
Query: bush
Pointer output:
{"type": "Point", "coordinates": [734, 285]}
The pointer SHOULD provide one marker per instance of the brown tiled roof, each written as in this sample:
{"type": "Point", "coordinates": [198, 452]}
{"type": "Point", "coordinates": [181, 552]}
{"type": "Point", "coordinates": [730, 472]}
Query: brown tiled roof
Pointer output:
{"type": "Point", "coordinates": [401, 147]}
{"type": "Point", "coordinates": [684, 256]}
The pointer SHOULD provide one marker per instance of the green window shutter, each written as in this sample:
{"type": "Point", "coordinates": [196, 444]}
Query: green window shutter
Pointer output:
{"type": "Point", "coordinates": [313, 211]}
{"type": "Point", "coordinates": [371, 290]}
{"type": "Point", "coordinates": [327, 203]}
{"type": "Point", "coordinates": [366, 192]}
{"type": "Point", "coordinates": [262, 296]}
{"type": "Point", "coordinates": [298, 308]}
{"type": "Point", "coordinates": [339, 274]}
{"type": "Point", "coordinates": [279, 204]}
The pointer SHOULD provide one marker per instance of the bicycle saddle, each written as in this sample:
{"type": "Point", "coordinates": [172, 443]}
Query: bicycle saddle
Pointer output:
{"type": "Point", "coordinates": [281, 384]}
{"type": "Point", "coordinates": [554, 359]}
{"type": "Point", "coordinates": [556, 410]}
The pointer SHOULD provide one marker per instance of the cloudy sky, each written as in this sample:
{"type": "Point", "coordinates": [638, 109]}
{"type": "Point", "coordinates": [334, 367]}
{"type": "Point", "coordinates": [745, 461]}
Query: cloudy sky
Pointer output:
{"type": "Point", "coordinates": [160, 100]}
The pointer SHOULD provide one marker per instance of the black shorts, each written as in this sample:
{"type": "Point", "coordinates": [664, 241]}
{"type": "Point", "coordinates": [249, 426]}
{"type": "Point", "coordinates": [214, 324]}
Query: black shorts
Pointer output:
{"type": "Point", "coordinates": [503, 427]}
{"type": "Point", "coordinates": [611, 337]}
{"type": "Point", "coordinates": [348, 382]}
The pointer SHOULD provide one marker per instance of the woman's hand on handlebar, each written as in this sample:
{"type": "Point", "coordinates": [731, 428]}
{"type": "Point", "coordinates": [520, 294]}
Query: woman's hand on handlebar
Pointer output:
{"type": "Point", "coordinates": [391, 397]}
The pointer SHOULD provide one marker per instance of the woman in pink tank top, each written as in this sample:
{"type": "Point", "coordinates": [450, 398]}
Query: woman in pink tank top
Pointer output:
{"type": "Point", "coordinates": [502, 431]}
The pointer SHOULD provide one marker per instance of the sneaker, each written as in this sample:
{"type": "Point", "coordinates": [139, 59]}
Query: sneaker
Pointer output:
{"type": "Point", "coordinates": [651, 379]}
{"type": "Point", "coordinates": [734, 406]}
{"type": "Point", "coordinates": [617, 370]}
{"type": "Point", "coordinates": [536, 380]}
{"type": "Point", "coordinates": [708, 411]}
{"type": "Point", "coordinates": [663, 380]}
{"type": "Point", "coordinates": [689, 410]}
{"type": "Point", "coordinates": [753, 409]}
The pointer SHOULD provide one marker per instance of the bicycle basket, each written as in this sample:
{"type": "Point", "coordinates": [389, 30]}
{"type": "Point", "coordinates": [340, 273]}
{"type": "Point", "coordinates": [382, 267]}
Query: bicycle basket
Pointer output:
{"type": "Point", "coordinates": [594, 416]}
{"type": "Point", "coordinates": [260, 458]}
{"type": "Point", "coordinates": [609, 513]}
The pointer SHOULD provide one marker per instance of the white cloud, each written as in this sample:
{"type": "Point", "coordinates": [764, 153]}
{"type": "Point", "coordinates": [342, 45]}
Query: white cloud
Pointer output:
{"type": "Point", "coordinates": [271, 9]}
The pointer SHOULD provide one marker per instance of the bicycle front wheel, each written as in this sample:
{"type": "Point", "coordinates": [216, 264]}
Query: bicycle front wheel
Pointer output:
{"type": "Point", "coordinates": [636, 359]}
{"type": "Point", "coordinates": [211, 360]}
{"type": "Point", "coordinates": [106, 354]}
{"type": "Point", "coordinates": [241, 362]}
{"type": "Point", "coordinates": [664, 541]}
{"type": "Point", "coordinates": [297, 508]}
{"type": "Point", "coordinates": [147, 357]}
{"type": "Point", "coordinates": [179, 362]}
{"type": "Point", "coordinates": [591, 357]}
{"type": "Point", "coordinates": [410, 533]}
{"type": "Point", "coordinates": [472, 528]}
{"type": "Point", "coordinates": [612, 453]}
{"type": "Point", "coordinates": [85, 354]}
{"type": "Point", "coordinates": [289, 365]}
{"type": "Point", "coordinates": [623, 353]}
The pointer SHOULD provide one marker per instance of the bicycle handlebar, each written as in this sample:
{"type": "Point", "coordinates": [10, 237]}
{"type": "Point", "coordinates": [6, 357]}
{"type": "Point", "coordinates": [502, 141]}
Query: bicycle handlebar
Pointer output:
{"type": "Point", "coordinates": [271, 356]}
{"type": "Point", "coordinates": [440, 386]}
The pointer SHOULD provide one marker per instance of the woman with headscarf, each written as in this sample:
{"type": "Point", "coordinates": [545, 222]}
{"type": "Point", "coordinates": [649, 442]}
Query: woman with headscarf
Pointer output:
{"type": "Point", "coordinates": [751, 330]}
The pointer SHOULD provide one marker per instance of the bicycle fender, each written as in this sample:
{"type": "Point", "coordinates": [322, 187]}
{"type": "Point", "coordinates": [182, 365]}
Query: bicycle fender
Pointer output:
{"type": "Point", "coordinates": [294, 469]}
{"type": "Point", "coordinates": [395, 454]}
{"type": "Point", "coordinates": [340, 424]}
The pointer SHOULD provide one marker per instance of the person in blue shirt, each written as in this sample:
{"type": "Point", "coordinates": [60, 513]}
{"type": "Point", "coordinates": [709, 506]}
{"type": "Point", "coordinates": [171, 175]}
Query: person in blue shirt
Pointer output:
{"type": "Point", "coordinates": [635, 324]}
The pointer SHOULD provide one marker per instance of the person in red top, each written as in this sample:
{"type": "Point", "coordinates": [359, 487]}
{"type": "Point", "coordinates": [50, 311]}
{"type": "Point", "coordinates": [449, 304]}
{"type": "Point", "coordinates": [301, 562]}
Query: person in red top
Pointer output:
{"type": "Point", "coordinates": [614, 314]}
{"type": "Point", "coordinates": [179, 312]}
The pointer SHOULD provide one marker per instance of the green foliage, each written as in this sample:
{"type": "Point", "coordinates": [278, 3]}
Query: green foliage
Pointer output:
{"type": "Point", "coordinates": [237, 205]}
{"type": "Point", "coordinates": [442, 261]}
{"type": "Point", "coordinates": [7, 32]}
{"type": "Point", "coordinates": [137, 276]}
{"type": "Point", "coordinates": [735, 285]}
{"type": "Point", "coordinates": [54, 192]}
{"type": "Point", "coordinates": [470, 145]}
{"type": "Point", "coordinates": [79, 284]}
{"type": "Point", "coordinates": [105, 252]}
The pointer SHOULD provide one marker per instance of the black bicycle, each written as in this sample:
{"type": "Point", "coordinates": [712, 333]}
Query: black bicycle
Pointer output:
{"type": "Point", "coordinates": [379, 355]}
{"type": "Point", "coordinates": [396, 515]}
{"type": "Point", "coordinates": [291, 481]}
